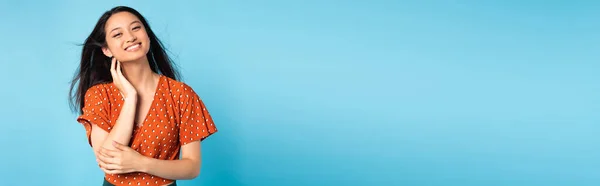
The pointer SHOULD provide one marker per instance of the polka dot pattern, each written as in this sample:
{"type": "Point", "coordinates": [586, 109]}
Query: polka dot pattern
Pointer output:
{"type": "Point", "coordinates": [176, 117]}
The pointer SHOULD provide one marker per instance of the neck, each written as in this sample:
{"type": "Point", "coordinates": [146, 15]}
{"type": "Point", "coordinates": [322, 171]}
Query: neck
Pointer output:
{"type": "Point", "coordinates": [139, 74]}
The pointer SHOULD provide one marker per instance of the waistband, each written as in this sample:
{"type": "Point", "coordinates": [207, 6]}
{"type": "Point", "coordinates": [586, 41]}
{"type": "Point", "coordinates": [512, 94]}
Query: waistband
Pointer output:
{"type": "Point", "coordinates": [106, 183]}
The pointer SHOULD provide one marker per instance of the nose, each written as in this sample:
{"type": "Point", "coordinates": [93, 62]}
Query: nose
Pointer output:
{"type": "Point", "coordinates": [131, 37]}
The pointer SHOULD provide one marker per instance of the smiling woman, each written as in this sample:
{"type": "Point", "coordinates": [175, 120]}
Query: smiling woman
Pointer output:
{"type": "Point", "coordinates": [139, 118]}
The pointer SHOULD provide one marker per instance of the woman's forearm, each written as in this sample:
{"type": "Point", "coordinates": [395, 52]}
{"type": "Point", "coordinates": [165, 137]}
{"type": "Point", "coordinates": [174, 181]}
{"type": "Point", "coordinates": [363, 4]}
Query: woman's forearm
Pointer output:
{"type": "Point", "coordinates": [183, 169]}
{"type": "Point", "coordinates": [121, 131]}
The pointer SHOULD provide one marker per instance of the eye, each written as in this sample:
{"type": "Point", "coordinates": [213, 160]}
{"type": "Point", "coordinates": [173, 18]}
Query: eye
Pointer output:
{"type": "Point", "coordinates": [137, 27]}
{"type": "Point", "coordinates": [117, 35]}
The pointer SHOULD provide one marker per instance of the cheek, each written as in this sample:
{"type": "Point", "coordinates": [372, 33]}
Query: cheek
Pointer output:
{"type": "Point", "coordinates": [113, 45]}
{"type": "Point", "coordinates": [144, 37]}
{"type": "Point", "coordinates": [146, 46]}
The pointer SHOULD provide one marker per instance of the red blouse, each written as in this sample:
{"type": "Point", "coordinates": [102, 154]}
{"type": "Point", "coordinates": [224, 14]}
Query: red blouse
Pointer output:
{"type": "Point", "coordinates": [176, 117]}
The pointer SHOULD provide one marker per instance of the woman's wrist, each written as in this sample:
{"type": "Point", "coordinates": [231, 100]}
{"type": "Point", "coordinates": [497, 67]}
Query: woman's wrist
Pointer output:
{"type": "Point", "coordinates": [129, 95]}
{"type": "Point", "coordinates": [131, 99]}
{"type": "Point", "coordinates": [143, 164]}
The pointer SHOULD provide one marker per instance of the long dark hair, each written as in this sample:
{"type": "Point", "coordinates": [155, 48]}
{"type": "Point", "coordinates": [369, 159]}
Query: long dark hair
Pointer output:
{"type": "Point", "coordinates": [94, 67]}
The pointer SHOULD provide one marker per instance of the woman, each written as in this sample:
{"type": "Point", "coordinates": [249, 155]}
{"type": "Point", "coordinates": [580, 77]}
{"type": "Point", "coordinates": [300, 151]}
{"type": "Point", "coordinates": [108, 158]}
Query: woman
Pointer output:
{"type": "Point", "coordinates": [138, 117]}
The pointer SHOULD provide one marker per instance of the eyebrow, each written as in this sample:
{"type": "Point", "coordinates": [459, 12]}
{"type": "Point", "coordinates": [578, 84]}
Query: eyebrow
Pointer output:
{"type": "Point", "coordinates": [136, 21]}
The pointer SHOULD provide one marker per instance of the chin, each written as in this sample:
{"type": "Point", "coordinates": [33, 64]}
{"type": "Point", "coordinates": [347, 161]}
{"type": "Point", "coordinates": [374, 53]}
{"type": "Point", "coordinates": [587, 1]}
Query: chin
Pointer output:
{"type": "Point", "coordinates": [133, 56]}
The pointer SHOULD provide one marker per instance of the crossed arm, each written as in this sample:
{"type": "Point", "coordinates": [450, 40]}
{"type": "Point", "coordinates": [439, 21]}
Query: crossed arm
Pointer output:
{"type": "Point", "coordinates": [115, 157]}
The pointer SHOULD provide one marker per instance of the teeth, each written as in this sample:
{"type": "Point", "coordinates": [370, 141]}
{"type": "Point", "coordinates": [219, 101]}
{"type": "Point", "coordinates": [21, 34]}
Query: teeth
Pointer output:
{"type": "Point", "coordinates": [133, 47]}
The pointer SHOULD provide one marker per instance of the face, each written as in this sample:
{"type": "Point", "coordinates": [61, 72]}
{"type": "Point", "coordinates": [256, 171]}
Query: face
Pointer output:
{"type": "Point", "coordinates": [126, 37]}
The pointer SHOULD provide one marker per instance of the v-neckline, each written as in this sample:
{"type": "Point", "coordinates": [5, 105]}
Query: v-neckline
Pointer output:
{"type": "Point", "coordinates": [152, 103]}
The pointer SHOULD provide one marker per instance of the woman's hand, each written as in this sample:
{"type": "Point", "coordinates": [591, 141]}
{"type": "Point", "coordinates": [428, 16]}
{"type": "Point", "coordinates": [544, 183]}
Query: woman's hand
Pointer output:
{"type": "Point", "coordinates": [120, 161]}
{"type": "Point", "coordinates": [120, 81]}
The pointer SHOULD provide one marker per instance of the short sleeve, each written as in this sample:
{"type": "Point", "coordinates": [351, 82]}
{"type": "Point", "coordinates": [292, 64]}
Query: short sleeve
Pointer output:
{"type": "Point", "coordinates": [196, 122]}
{"type": "Point", "coordinates": [95, 112]}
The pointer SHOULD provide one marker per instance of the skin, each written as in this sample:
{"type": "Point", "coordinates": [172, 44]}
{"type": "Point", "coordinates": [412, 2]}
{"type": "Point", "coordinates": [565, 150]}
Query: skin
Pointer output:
{"type": "Point", "coordinates": [136, 82]}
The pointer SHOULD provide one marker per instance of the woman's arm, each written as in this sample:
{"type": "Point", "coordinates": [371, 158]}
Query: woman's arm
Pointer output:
{"type": "Point", "coordinates": [126, 160]}
{"type": "Point", "coordinates": [188, 167]}
{"type": "Point", "coordinates": [123, 127]}
{"type": "Point", "coordinates": [121, 131]}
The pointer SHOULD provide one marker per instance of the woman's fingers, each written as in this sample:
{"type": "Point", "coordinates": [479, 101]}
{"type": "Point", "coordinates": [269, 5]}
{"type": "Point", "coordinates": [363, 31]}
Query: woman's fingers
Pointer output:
{"type": "Point", "coordinates": [108, 162]}
{"type": "Point", "coordinates": [104, 151]}
{"type": "Point", "coordinates": [111, 171]}
{"type": "Point", "coordinates": [119, 73]}
{"type": "Point", "coordinates": [110, 153]}
{"type": "Point", "coordinates": [105, 159]}
{"type": "Point", "coordinates": [113, 72]}
{"type": "Point", "coordinates": [109, 156]}
{"type": "Point", "coordinates": [113, 65]}
{"type": "Point", "coordinates": [124, 85]}
{"type": "Point", "coordinates": [108, 166]}
{"type": "Point", "coordinates": [116, 71]}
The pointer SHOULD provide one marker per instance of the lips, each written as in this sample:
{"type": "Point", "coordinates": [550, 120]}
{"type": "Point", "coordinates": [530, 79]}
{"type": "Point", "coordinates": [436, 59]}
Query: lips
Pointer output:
{"type": "Point", "coordinates": [133, 47]}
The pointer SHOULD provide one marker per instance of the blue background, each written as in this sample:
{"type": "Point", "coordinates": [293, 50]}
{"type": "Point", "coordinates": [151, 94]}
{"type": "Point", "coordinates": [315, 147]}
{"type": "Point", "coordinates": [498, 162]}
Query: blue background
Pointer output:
{"type": "Point", "coordinates": [331, 92]}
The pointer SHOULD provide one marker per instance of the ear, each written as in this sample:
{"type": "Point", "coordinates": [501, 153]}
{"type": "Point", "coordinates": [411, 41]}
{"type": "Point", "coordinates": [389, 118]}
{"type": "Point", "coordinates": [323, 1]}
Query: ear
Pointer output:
{"type": "Point", "coordinates": [107, 52]}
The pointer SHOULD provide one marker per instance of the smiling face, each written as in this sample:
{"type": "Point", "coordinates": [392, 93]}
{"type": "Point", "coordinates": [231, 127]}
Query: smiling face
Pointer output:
{"type": "Point", "coordinates": [126, 37]}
